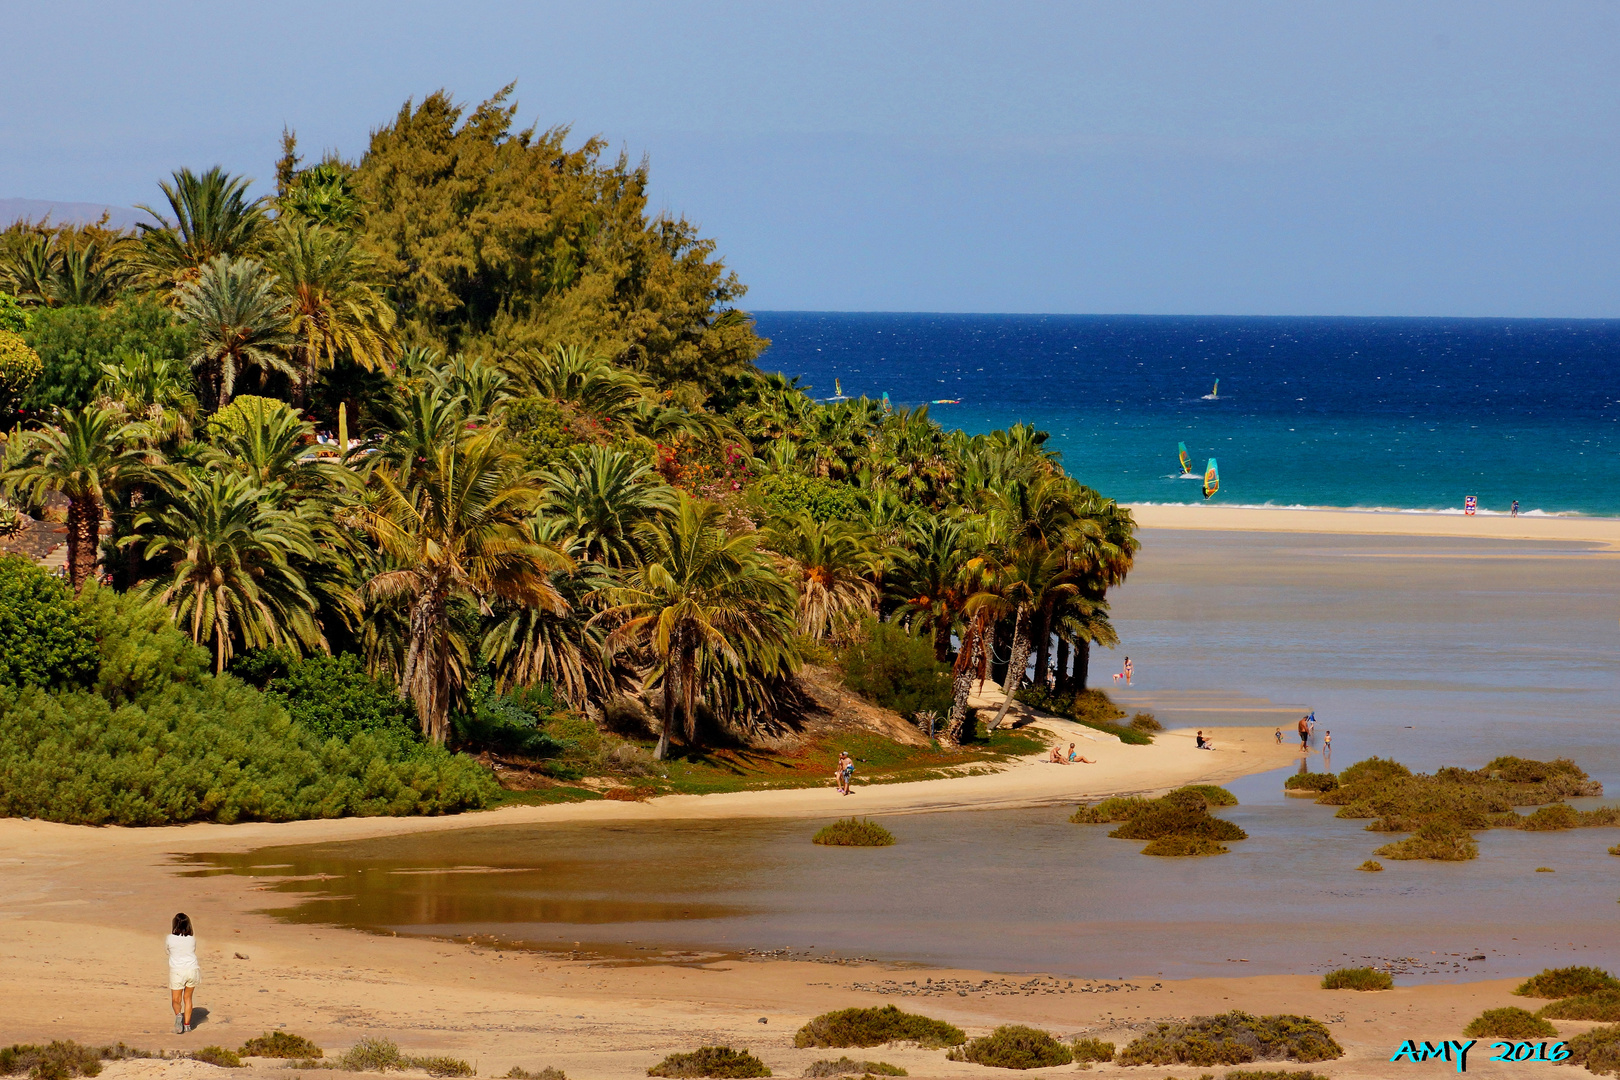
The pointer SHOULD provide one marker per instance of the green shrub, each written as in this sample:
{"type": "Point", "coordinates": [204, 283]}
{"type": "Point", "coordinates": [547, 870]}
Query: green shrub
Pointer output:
{"type": "Point", "coordinates": [1093, 1050]}
{"type": "Point", "coordinates": [1146, 721]}
{"type": "Point", "coordinates": [545, 430]}
{"type": "Point", "coordinates": [501, 722]}
{"type": "Point", "coordinates": [45, 637]}
{"type": "Point", "coordinates": [1598, 1050]}
{"type": "Point", "coordinates": [280, 1044]}
{"type": "Point", "coordinates": [440, 1066]}
{"type": "Point", "coordinates": [1118, 808]}
{"type": "Point", "coordinates": [890, 667]}
{"type": "Point", "coordinates": [1177, 846]}
{"type": "Point", "coordinates": [782, 494]}
{"type": "Point", "coordinates": [874, 1027]}
{"type": "Point", "coordinates": [1372, 866]}
{"type": "Point", "coordinates": [1212, 794]}
{"type": "Point", "coordinates": [1603, 1005]}
{"type": "Point", "coordinates": [371, 1055]}
{"type": "Point", "coordinates": [1551, 818]}
{"type": "Point", "coordinates": [142, 652]}
{"type": "Point", "coordinates": [13, 316]}
{"type": "Point", "coordinates": [1615, 850]}
{"type": "Point", "coordinates": [719, 1061]}
{"type": "Point", "coordinates": [1509, 1023]}
{"type": "Point", "coordinates": [846, 1066]}
{"type": "Point", "coordinates": [20, 366]}
{"type": "Point", "coordinates": [56, 1061]}
{"type": "Point", "coordinates": [331, 697]}
{"type": "Point", "coordinates": [1374, 770]}
{"type": "Point", "coordinates": [1311, 781]}
{"type": "Point", "coordinates": [215, 750]}
{"type": "Point", "coordinates": [1567, 982]}
{"type": "Point", "coordinates": [1233, 1038]}
{"type": "Point", "coordinates": [73, 343]}
{"type": "Point", "coordinates": [1362, 978]}
{"type": "Point", "coordinates": [854, 832]}
{"type": "Point", "coordinates": [1161, 818]}
{"type": "Point", "coordinates": [217, 1055]}
{"type": "Point", "coordinates": [247, 412]}
{"type": "Point", "coordinates": [1436, 840]}
{"type": "Point", "coordinates": [547, 1073]}
{"type": "Point", "coordinates": [1014, 1046]}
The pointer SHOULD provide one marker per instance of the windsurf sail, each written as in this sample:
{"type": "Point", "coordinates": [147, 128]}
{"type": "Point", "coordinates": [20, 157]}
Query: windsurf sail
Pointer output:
{"type": "Point", "coordinates": [887, 407]}
{"type": "Point", "coordinates": [946, 401]}
{"type": "Point", "coordinates": [1212, 479]}
{"type": "Point", "coordinates": [1186, 458]}
{"type": "Point", "coordinates": [1217, 391]}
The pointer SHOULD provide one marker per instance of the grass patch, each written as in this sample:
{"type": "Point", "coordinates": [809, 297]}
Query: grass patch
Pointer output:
{"type": "Point", "coordinates": [1233, 1038]}
{"type": "Point", "coordinates": [1511, 1022]}
{"type": "Point", "coordinates": [1372, 866]}
{"type": "Point", "coordinates": [1598, 1050]}
{"type": "Point", "coordinates": [1093, 708]}
{"type": "Point", "coordinates": [383, 1055]}
{"type": "Point", "coordinates": [1014, 1046]}
{"type": "Point", "coordinates": [1184, 846]}
{"type": "Point", "coordinates": [280, 1044]}
{"type": "Point", "coordinates": [874, 1027]}
{"type": "Point", "coordinates": [1361, 978]}
{"type": "Point", "coordinates": [61, 1059]}
{"type": "Point", "coordinates": [1435, 840]}
{"type": "Point", "coordinates": [1567, 982]}
{"type": "Point", "coordinates": [441, 1066]}
{"type": "Point", "coordinates": [854, 832]}
{"type": "Point", "coordinates": [1311, 781]}
{"type": "Point", "coordinates": [547, 1073]}
{"type": "Point", "coordinates": [1093, 1050]}
{"type": "Point", "coordinates": [1603, 1005]}
{"type": "Point", "coordinates": [847, 1066]}
{"type": "Point", "coordinates": [717, 1061]}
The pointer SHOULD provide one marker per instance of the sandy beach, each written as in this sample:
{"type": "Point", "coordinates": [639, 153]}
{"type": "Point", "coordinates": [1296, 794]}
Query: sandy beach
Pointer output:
{"type": "Point", "coordinates": [1214, 517]}
{"type": "Point", "coordinates": [84, 912]}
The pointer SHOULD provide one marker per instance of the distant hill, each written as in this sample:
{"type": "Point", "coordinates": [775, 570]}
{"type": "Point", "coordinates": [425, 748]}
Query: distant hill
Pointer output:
{"type": "Point", "coordinates": [68, 213]}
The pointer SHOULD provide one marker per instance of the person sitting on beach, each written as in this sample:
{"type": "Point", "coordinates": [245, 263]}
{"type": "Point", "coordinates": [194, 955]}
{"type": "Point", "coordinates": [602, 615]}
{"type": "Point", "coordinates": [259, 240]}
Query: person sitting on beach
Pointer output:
{"type": "Point", "coordinates": [1073, 756]}
{"type": "Point", "coordinates": [1056, 756]}
{"type": "Point", "coordinates": [1203, 743]}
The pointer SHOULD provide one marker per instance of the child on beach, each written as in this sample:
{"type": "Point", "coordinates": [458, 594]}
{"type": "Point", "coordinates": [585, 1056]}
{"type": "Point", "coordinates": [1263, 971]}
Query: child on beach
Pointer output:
{"type": "Point", "coordinates": [1327, 743]}
{"type": "Point", "coordinates": [1279, 736]}
{"type": "Point", "coordinates": [184, 974]}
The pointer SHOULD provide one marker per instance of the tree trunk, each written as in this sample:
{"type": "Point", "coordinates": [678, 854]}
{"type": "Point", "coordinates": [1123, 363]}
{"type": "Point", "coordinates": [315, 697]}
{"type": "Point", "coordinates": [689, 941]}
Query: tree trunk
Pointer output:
{"type": "Point", "coordinates": [1043, 642]}
{"type": "Point", "coordinates": [1015, 666]}
{"type": "Point", "coordinates": [1002, 637]}
{"type": "Point", "coordinates": [968, 663]}
{"type": "Point", "coordinates": [1063, 665]}
{"type": "Point", "coordinates": [942, 639]}
{"type": "Point", "coordinates": [662, 753]}
{"type": "Point", "coordinates": [425, 671]}
{"type": "Point", "coordinates": [83, 539]}
{"type": "Point", "coordinates": [1082, 664]}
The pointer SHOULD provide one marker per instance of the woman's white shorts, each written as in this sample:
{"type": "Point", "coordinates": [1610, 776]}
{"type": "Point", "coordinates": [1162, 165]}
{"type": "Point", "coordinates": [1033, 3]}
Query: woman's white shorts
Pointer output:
{"type": "Point", "coordinates": [184, 978]}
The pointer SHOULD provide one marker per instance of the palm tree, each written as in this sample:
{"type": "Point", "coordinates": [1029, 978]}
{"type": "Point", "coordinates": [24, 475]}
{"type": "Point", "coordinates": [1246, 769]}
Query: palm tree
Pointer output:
{"type": "Point", "coordinates": [241, 322]}
{"type": "Point", "coordinates": [154, 389]}
{"type": "Point", "coordinates": [335, 296]}
{"type": "Point", "coordinates": [601, 496]}
{"type": "Point", "coordinates": [533, 646]}
{"type": "Point", "coordinates": [589, 382]}
{"type": "Point", "coordinates": [88, 274]}
{"type": "Point", "coordinates": [271, 445]}
{"type": "Point", "coordinates": [212, 219]}
{"type": "Point", "coordinates": [231, 576]}
{"type": "Point", "coordinates": [709, 608]}
{"type": "Point", "coordinates": [89, 452]}
{"type": "Point", "coordinates": [927, 578]}
{"type": "Point", "coordinates": [451, 525]}
{"type": "Point", "coordinates": [28, 270]}
{"type": "Point", "coordinates": [831, 566]}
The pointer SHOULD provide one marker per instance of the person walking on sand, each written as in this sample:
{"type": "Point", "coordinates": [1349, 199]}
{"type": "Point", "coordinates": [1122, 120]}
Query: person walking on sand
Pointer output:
{"type": "Point", "coordinates": [184, 974]}
{"type": "Point", "coordinates": [1515, 507]}
{"type": "Point", "coordinates": [1304, 732]}
{"type": "Point", "coordinates": [1279, 736]}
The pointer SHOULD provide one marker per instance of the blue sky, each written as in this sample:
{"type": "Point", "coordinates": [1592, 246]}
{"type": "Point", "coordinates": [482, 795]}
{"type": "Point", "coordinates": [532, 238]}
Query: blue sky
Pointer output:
{"type": "Point", "coordinates": [1287, 158]}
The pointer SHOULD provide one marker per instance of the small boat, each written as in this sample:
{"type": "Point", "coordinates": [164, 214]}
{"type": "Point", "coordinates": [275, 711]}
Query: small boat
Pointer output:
{"type": "Point", "coordinates": [1212, 479]}
{"type": "Point", "coordinates": [1186, 464]}
{"type": "Point", "coordinates": [1215, 394]}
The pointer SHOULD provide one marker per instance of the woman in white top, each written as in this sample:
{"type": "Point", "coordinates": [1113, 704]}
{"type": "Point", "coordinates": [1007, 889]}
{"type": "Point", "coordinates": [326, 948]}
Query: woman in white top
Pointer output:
{"type": "Point", "coordinates": [184, 974]}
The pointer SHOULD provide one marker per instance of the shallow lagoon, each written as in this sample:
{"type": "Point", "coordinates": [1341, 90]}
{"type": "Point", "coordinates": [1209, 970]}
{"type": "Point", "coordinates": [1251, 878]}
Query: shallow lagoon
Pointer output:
{"type": "Point", "coordinates": [1432, 652]}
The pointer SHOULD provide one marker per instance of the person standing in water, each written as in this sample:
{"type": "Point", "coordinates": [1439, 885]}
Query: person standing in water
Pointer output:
{"type": "Point", "coordinates": [184, 974]}
{"type": "Point", "coordinates": [1327, 744]}
{"type": "Point", "coordinates": [1304, 732]}
{"type": "Point", "coordinates": [1128, 670]}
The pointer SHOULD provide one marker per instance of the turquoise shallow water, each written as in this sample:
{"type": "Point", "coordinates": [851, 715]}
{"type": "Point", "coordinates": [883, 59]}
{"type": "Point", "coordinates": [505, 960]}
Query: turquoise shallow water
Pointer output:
{"type": "Point", "coordinates": [1396, 413]}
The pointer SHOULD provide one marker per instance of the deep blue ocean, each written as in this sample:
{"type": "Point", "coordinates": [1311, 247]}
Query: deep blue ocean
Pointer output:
{"type": "Point", "coordinates": [1375, 412]}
